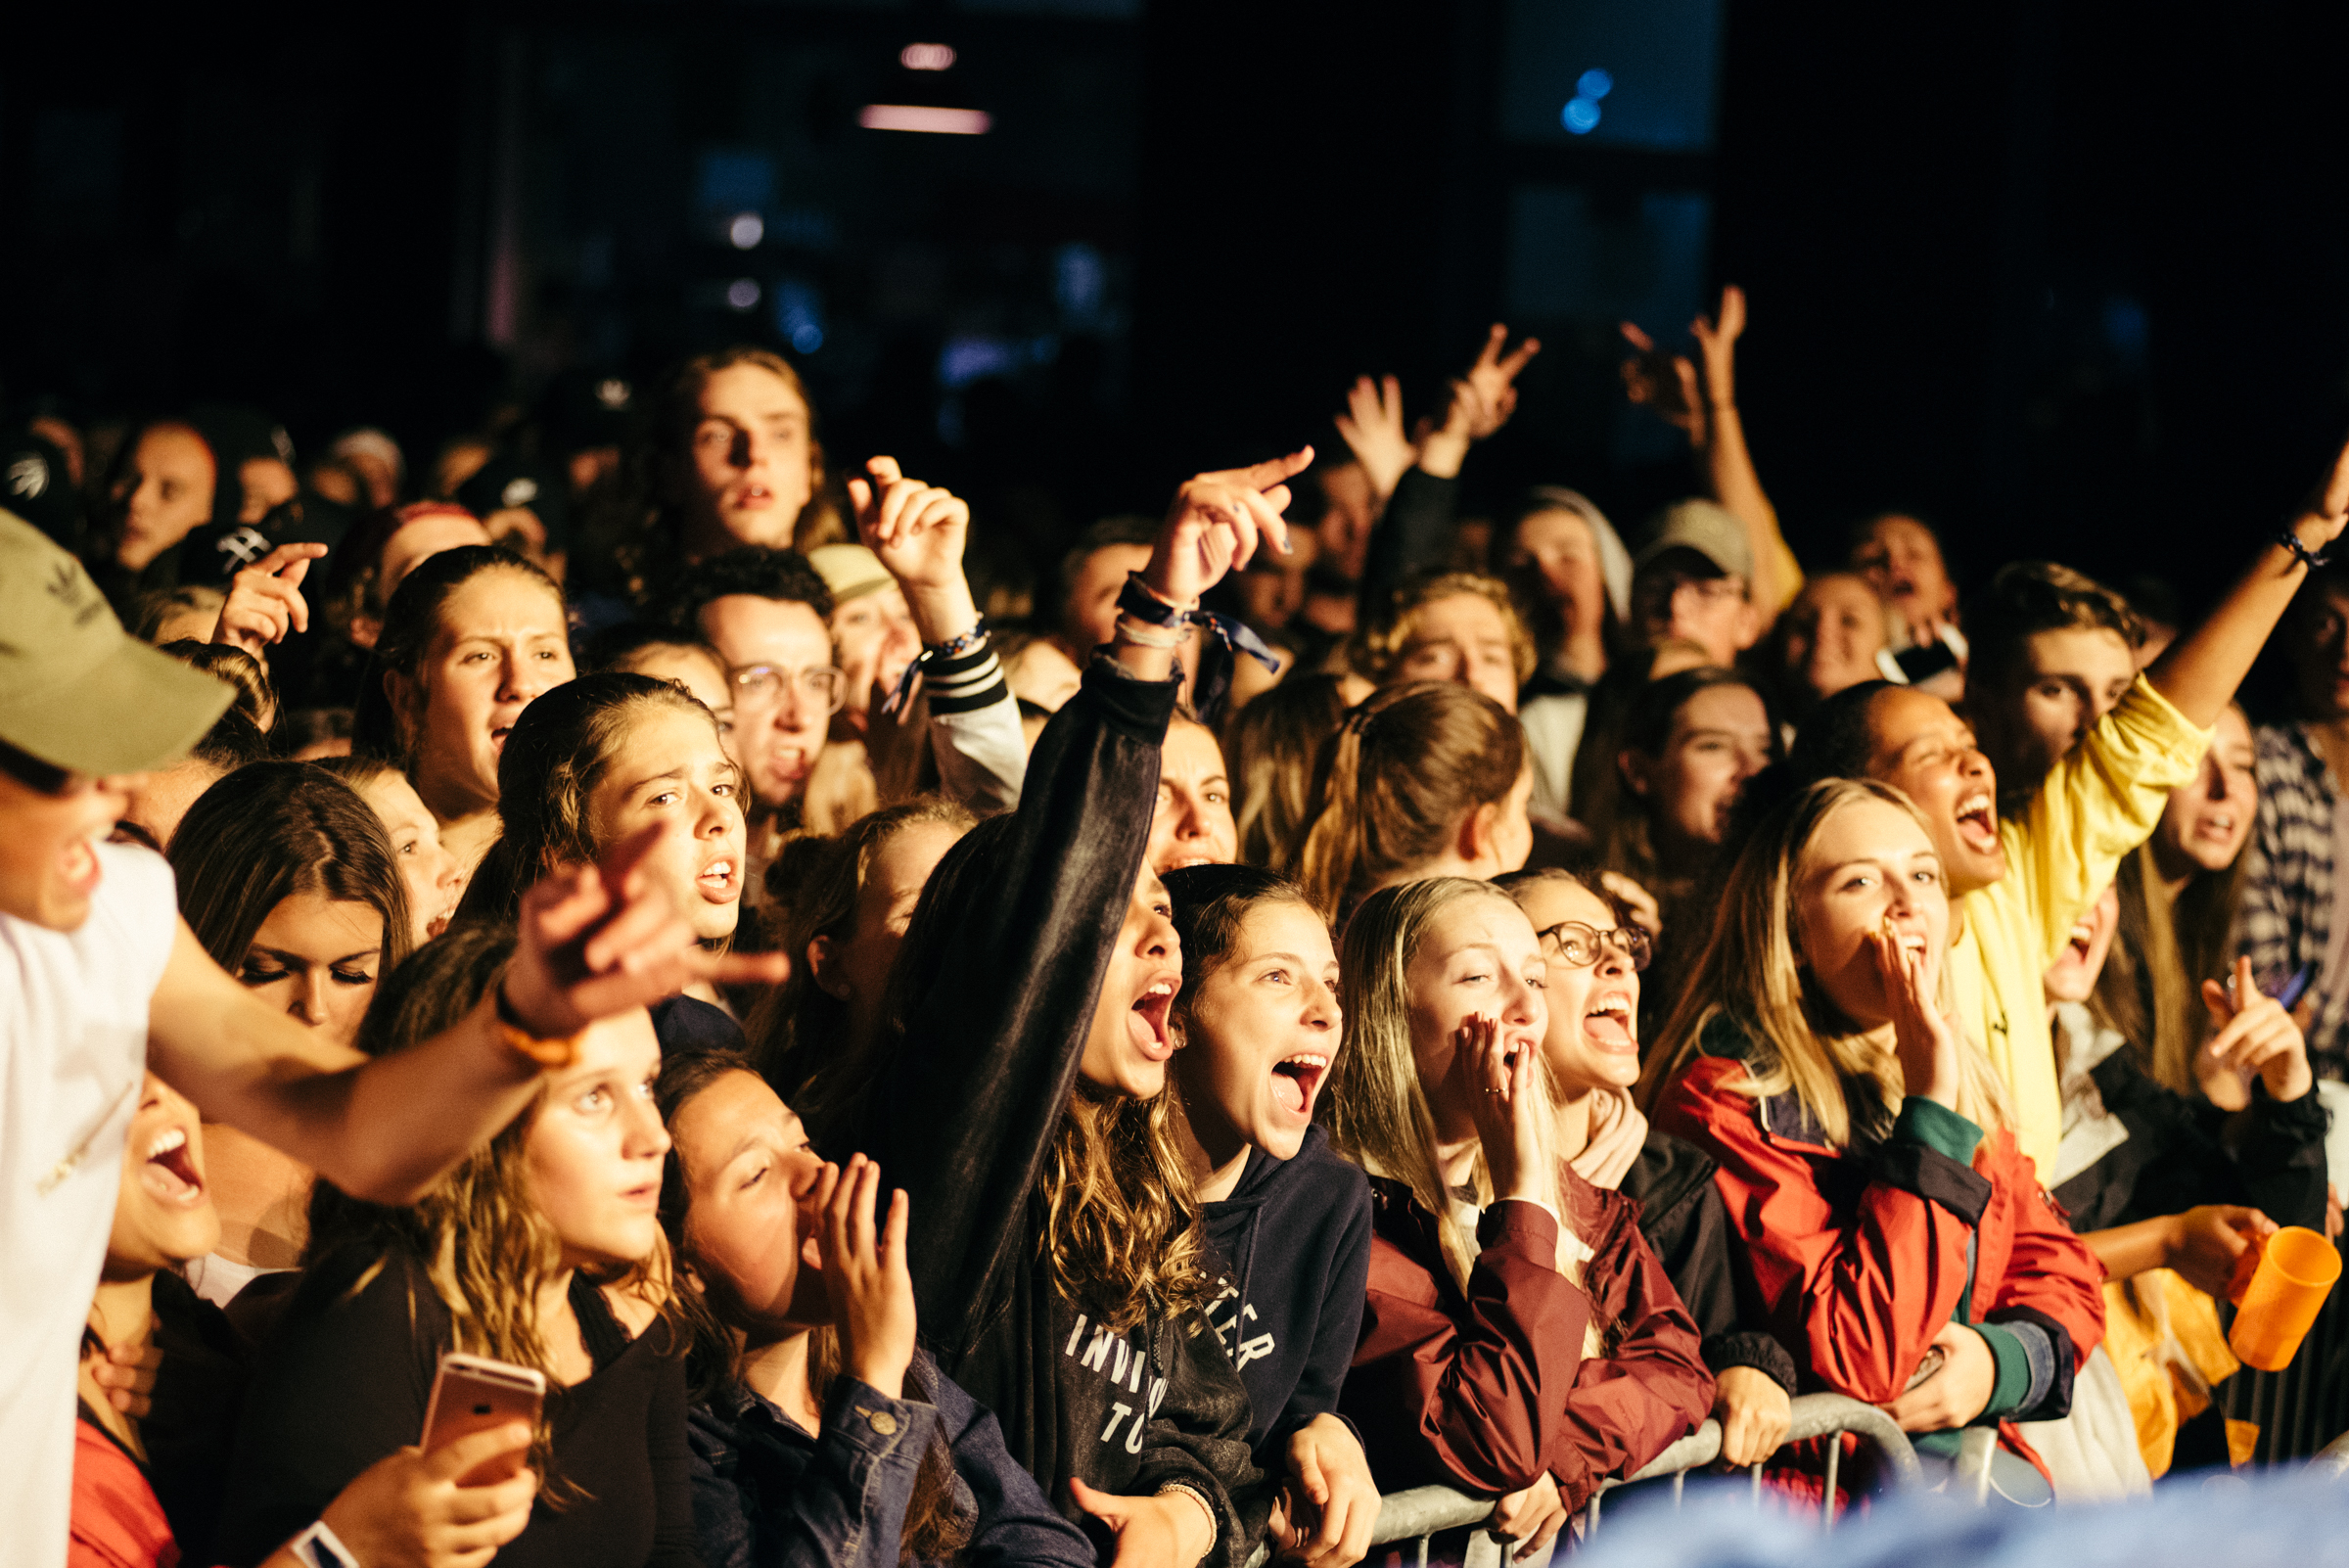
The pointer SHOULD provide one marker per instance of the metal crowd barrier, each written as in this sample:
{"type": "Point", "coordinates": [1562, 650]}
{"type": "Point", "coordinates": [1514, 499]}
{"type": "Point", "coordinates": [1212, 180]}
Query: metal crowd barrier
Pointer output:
{"type": "Point", "coordinates": [1426, 1511]}
{"type": "Point", "coordinates": [2332, 1459]}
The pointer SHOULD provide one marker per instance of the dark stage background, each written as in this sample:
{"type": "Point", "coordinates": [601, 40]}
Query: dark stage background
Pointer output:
{"type": "Point", "coordinates": [2067, 277]}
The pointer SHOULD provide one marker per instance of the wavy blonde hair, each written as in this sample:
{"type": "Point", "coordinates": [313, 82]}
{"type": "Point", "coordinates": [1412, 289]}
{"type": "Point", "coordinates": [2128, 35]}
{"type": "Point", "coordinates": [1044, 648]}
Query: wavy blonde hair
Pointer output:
{"type": "Point", "coordinates": [1379, 1115]}
{"type": "Point", "coordinates": [1752, 973]}
{"type": "Point", "coordinates": [487, 1250]}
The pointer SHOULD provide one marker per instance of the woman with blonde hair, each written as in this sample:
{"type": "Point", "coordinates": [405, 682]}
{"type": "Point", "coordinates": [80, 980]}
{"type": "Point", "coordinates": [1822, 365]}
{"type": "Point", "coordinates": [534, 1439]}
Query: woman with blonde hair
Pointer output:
{"type": "Point", "coordinates": [544, 1249]}
{"type": "Point", "coordinates": [1899, 1239]}
{"type": "Point", "coordinates": [1423, 780]}
{"type": "Point", "coordinates": [1520, 1337]}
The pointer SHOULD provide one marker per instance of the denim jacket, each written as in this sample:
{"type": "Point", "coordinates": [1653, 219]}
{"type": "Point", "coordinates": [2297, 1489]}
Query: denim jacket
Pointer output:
{"type": "Point", "coordinates": [768, 1494]}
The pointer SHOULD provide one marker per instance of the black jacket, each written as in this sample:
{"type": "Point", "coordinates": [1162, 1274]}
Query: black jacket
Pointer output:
{"type": "Point", "coordinates": [1681, 1216]}
{"type": "Point", "coordinates": [2173, 1159]}
{"type": "Point", "coordinates": [963, 1114]}
{"type": "Point", "coordinates": [1293, 1242]}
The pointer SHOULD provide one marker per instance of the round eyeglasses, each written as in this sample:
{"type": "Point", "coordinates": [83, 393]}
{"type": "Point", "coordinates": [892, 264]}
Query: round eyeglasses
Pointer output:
{"type": "Point", "coordinates": [1577, 945]}
{"type": "Point", "coordinates": [763, 685]}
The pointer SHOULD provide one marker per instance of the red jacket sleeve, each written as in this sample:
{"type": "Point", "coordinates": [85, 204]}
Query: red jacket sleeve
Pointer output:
{"type": "Point", "coordinates": [2050, 1272]}
{"type": "Point", "coordinates": [1470, 1394]}
{"type": "Point", "coordinates": [1857, 1283]}
{"type": "Point", "coordinates": [1650, 1390]}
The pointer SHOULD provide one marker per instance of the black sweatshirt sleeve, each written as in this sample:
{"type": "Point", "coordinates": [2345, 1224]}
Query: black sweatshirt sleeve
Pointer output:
{"type": "Point", "coordinates": [1414, 534]}
{"type": "Point", "coordinates": [2282, 1159]}
{"type": "Point", "coordinates": [969, 1101]}
{"type": "Point", "coordinates": [1691, 1239]}
{"type": "Point", "coordinates": [1345, 1289]}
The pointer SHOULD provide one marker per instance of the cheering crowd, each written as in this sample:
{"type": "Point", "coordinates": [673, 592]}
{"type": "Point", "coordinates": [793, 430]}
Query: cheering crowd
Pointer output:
{"type": "Point", "coordinates": [931, 1060]}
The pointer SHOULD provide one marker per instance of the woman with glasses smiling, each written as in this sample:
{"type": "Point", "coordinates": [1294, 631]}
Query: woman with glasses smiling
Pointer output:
{"type": "Point", "coordinates": [1591, 1051]}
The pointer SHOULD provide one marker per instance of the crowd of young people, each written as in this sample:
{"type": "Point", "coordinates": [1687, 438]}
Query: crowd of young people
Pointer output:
{"type": "Point", "coordinates": [1330, 998]}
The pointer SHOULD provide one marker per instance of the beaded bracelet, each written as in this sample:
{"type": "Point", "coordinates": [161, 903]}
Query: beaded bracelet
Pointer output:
{"type": "Point", "coordinates": [951, 648]}
{"type": "Point", "coordinates": [2313, 560]}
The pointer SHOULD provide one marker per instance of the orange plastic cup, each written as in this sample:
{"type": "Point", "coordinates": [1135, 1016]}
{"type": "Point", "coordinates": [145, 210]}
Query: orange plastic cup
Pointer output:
{"type": "Point", "coordinates": [2296, 1272]}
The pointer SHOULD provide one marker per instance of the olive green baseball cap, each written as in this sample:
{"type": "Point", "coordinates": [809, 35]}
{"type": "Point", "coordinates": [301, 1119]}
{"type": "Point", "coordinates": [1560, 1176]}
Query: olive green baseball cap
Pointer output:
{"type": "Point", "coordinates": [76, 691]}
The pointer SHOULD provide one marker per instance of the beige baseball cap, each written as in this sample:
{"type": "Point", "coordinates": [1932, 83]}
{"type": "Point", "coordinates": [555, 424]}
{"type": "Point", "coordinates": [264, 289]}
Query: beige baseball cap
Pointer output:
{"type": "Point", "coordinates": [76, 691]}
{"type": "Point", "coordinates": [849, 571]}
{"type": "Point", "coordinates": [1709, 529]}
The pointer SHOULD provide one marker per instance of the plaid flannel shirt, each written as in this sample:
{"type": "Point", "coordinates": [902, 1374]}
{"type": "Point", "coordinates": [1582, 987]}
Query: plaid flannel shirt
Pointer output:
{"type": "Point", "coordinates": [2285, 917]}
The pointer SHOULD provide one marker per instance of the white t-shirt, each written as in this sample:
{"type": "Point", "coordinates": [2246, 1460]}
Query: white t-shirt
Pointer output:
{"type": "Point", "coordinates": [73, 1057]}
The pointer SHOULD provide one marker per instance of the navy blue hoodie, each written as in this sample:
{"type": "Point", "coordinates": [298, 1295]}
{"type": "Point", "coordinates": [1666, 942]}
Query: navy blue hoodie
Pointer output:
{"type": "Point", "coordinates": [1293, 1242]}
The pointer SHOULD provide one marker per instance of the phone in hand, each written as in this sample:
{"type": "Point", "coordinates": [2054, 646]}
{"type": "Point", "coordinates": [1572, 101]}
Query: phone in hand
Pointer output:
{"type": "Point", "coordinates": [473, 1393]}
{"type": "Point", "coordinates": [1914, 666]}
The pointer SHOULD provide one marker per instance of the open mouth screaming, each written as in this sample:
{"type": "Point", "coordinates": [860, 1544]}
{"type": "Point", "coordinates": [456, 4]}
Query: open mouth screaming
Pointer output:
{"type": "Point", "coordinates": [1147, 1022]}
{"type": "Point", "coordinates": [1297, 1080]}
{"type": "Point", "coordinates": [171, 1174]}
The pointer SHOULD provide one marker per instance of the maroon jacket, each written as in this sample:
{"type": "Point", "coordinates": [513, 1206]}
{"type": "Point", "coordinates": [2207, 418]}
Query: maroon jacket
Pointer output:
{"type": "Point", "coordinates": [1487, 1391]}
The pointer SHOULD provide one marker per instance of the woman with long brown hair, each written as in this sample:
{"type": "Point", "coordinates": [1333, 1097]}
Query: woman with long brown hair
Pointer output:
{"type": "Point", "coordinates": [820, 1434]}
{"type": "Point", "coordinates": [844, 904]}
{"type": "Point", "coordinates": [1900, 1240]}
{"type": "Point", "coordinates": [1021, 1101]}
{"type": "Point", "coordinates": [286, 878]}
{"type": "Point", "coordinates": [1520, 1337]}
{"type": "Point", "coordinates": [543, 1249]}
{"type": "Point", "coordinates": [2178, 897]}
{"type": "Point", "coordinates": [1428, 779]}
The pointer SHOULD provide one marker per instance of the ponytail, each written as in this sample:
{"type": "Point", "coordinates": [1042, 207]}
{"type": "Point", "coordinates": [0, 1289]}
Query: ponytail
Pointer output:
{"type": "Point", "coordinates": [1396, 782]}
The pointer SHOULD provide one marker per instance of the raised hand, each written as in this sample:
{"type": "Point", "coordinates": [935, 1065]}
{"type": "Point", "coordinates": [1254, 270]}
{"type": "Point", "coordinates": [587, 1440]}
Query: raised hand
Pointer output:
{"type": "Point", "coordinates": [1216, 523]}
{"type": "Point", "coordinates": [1926, 1040]}
{"type": "Point", "coordinates": [601, 940]}
{"type": "Point", "coordinates": [1492, 381]}
{"type": "Point", "coordinates": [266, 601]}
{"type": "Point", "coordinates": [1329, 1503]}
{"type": "Point", "coordinates": [1496, 1081]}
{"type": "Point", "coordinates": [1664, 384]}
{"type": "Point", "coordinates": [1717, 343]}
{"type": "Point", "coordinates": [2255, 1039]}
{"type": "Point", "coordinates": [407, 1510]}
{"type": "Point", "coordinates": [865, 1276]}
{"type": "Point", "coordinates": [1373, 426]}
{"type": "Point", "coordinates": [918, 531]}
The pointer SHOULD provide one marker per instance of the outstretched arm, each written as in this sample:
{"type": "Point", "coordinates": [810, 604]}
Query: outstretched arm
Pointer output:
{"type": "Point", "coordinates": [595, 943]}
{"type": "Point", "coordinates": [1706, 408]}
{"type": "Point", "coordinates": [2200, 671]}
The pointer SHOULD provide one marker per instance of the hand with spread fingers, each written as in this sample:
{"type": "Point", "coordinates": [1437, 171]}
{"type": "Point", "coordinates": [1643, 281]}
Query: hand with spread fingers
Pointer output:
{"type": "Point", "coordinates": [600, 940]}
{"type": "Point", "coordinates": [266, 601]}
{"type": "Point", "coordinates": [1927, 1042]}
{"type": "Point", "coordinates": [1482, 402]}
{"type": "Point", "coordinates": [866, 1275]}
{"type": "Point", "coordinates": [1373, 430]}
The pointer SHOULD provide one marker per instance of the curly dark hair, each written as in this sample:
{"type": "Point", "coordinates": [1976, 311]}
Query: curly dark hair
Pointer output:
{"type": "Point", "coordinates": [755, 570]}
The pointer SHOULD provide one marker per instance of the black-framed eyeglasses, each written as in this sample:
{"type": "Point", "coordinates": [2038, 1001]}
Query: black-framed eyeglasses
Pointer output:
{"type": "Point", "coordinates": [763, 685]}
{"type": "Point", "coordinates": [1577, 945]}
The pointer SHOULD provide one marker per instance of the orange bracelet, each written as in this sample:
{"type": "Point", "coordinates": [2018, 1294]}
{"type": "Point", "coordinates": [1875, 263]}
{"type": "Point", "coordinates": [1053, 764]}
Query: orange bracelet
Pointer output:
{"type": "Point", "coordinates": [548, 1051]}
